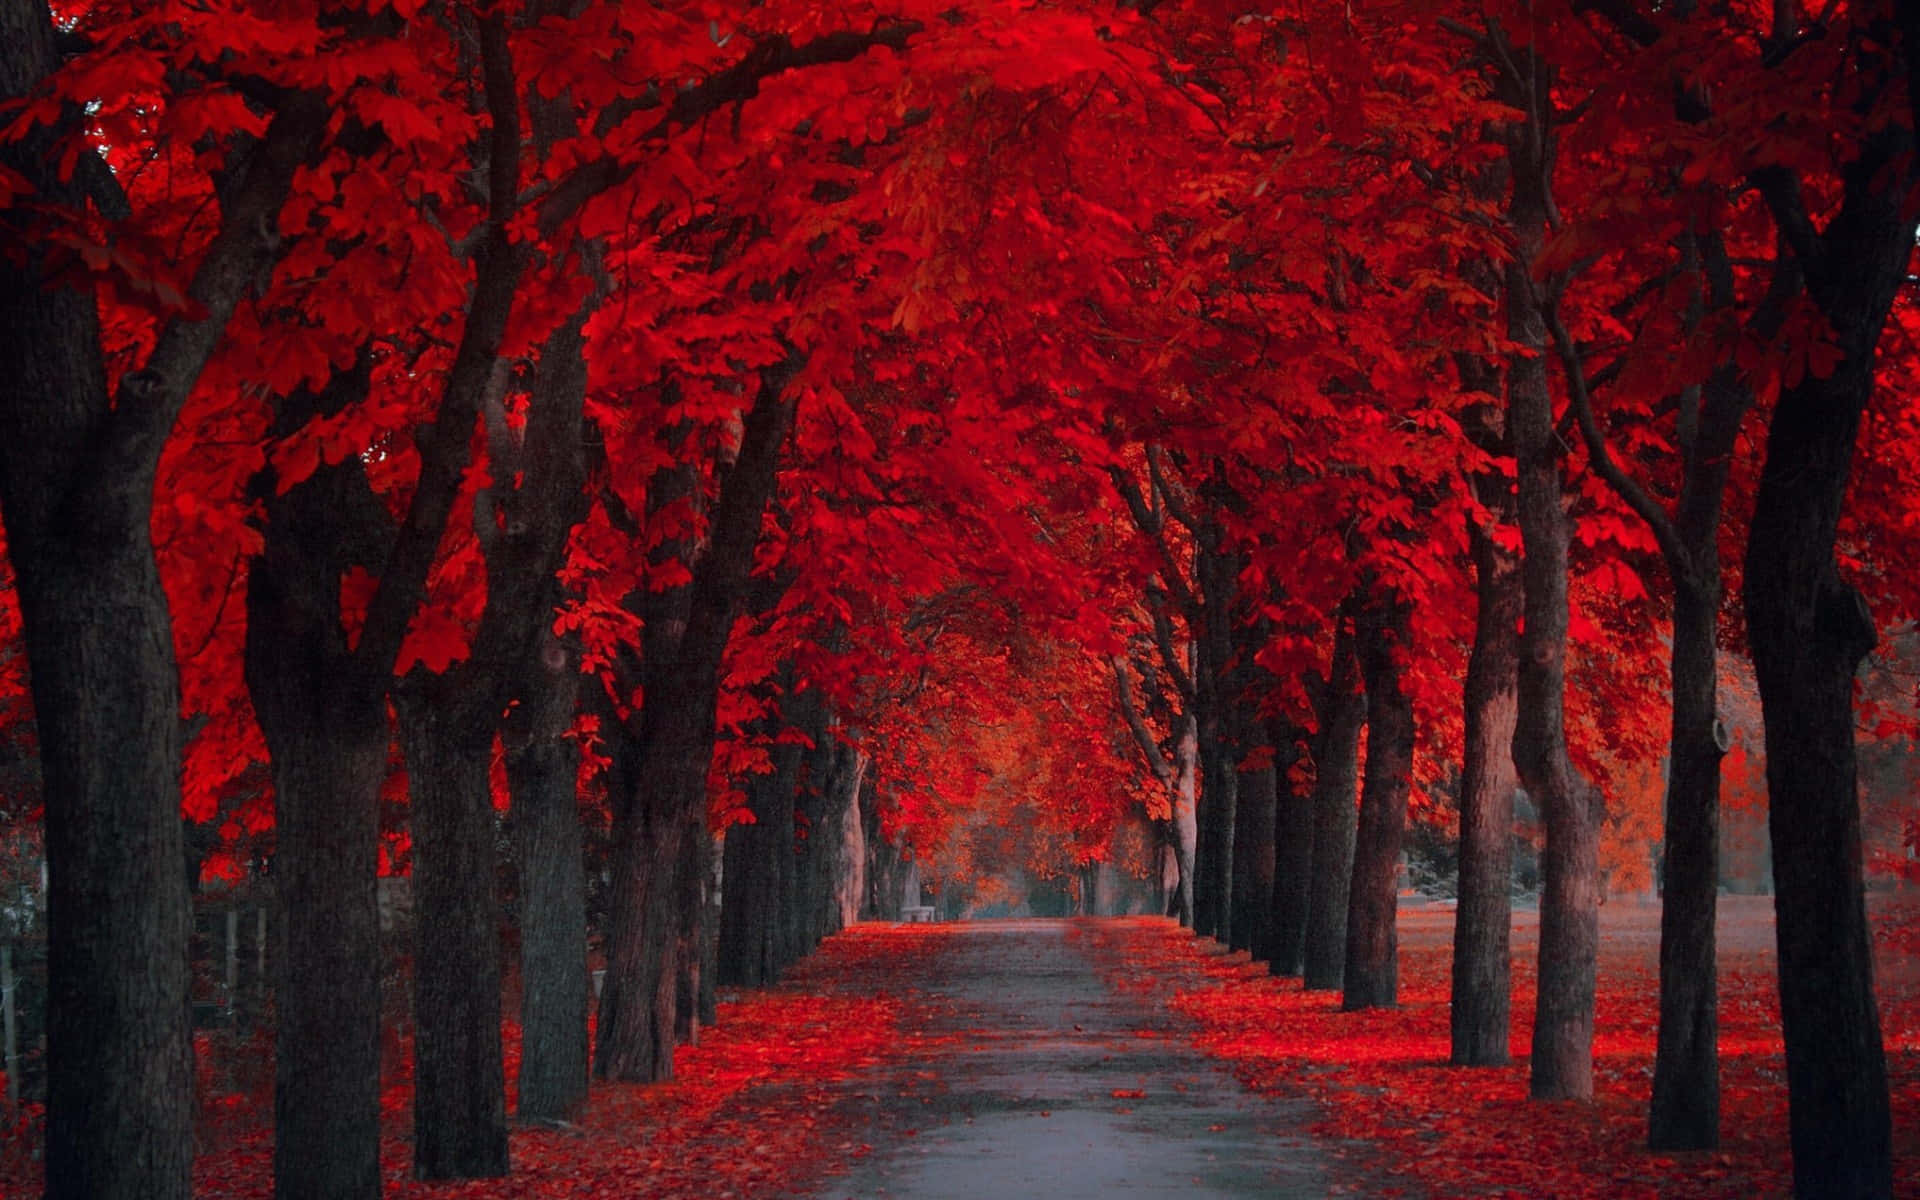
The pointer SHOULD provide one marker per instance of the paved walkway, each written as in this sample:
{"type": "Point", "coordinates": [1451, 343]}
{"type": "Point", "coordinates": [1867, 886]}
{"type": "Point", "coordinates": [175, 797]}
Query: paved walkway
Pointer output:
{"type": "Point", "coordinates": [1037, 1080]}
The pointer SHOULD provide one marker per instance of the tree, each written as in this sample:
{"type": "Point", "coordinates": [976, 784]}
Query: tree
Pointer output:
{"type": "Point", "coordinates": [76, 490]}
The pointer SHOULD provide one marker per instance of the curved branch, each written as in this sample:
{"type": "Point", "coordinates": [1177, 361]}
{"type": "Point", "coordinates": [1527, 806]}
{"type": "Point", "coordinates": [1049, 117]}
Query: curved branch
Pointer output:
{"type": "Point", "coordinates": [1679, 561]}
{"type": "Point", "coordinates": [1123, 689]}
{"type": "Point", "coordinates": [732, 85]}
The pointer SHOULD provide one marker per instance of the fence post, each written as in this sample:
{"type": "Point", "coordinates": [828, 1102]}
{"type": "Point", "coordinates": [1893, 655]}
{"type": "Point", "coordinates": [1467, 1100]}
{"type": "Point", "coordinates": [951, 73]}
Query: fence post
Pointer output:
{"type": "Point", "coordinates": [7, 1030]}
{"type": "Point", "coordinates": [233, 959]}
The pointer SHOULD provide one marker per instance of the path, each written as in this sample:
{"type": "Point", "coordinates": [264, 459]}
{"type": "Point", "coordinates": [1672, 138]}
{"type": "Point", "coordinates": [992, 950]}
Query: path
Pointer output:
{"type": "Point", "coordinates": [1032, 1078]}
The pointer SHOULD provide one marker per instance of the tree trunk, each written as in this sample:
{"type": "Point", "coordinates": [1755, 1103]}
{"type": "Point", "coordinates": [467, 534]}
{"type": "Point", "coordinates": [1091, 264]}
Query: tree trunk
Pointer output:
{"type": "Point", "coordinates": [329, 759]}
{"type": "Point", "coordinates": [326, 729]}
{"type": "Point", "coordinates": [1336, 758]}
{"type": "Point", "coordinates": [1809, 630]}
{"type": "Point", "coordinates": [1482, 933]}
{"type": "Point", "coordinates": [850, 774]}
{"type": "Point", "coordinates": [1217, 574]}
{"type": "Point", "coordinates": [77, 470]}
{"type": "Point", "coordinates": [708, 994]}
{"type": "Point", "coordinates": [1186, 828]}
{"type": "Point", "coordinates": [1685, 1111]}
{"type": "Point", "coordinates": [1253, 841]}
{"type": "Point", "coordinates": [696, 868]}
{"type": "Point", "coordinates": [638, 993]}
{"type": "Point", "coordinates": [1292, 889]}
{"type": "Point", "coordinates": [751, 884]}
{"type": "Point", "coordinates": [1292, 896]}
{"type": "Point", "coordinates": [757, 876]}
{"type": "Point", "coordinates": [542, 770]}
{"type": "Point", "coordinates": [119, 1067]}
{"type": "Point", "coordinates": [850, 878]}
{"type": "Point", "coordinates": [681, 686]}
{"type": "Point", "coordinates": [1372, 974]}
{"type": "Point", "coordinates": [459, 1095]}
{"type": "Point", "coordinates": [1562, 1052]}
{"type": "Point", "coordinates": [1213, 859]}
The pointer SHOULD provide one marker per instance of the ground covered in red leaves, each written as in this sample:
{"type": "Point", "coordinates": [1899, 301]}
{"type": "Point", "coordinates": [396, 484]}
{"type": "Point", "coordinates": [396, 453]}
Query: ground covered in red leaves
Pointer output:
{"type": "Point", "coordinates": [748, 1114]}
{"type": "Point", "coordinates": [1383, 1083]}
{"type": "Point", "coordinates": [760, 1108]}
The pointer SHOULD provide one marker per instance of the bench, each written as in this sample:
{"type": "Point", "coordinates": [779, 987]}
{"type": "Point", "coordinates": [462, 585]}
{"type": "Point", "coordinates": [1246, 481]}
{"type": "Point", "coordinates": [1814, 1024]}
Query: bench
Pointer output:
{"type": "Point", "coordinates": [917, 913]}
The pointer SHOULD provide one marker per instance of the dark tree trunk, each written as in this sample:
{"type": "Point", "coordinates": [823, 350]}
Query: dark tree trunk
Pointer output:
{"type": "Point", "coordinates": [810, 765]}
{"type": "Point", "coordinates": [1217, 817]}
{"type": "Point", "coordinates": [448, 725]}
{"type": "Point", "coordinates": [1685, 1110]}
{"type": "Point", "coordinates": [1809, 630]}
{"type": "Point", "coordinates": [77, 468]}
{"type": "Point", "coordinates": [759, 871]}
{"type": "Point", "coordinates": [681, 685]}
{"type": "Point", "coordinates": [119, 1069]}
{"type": "Point", "coordinates": [1253, 841]}
{"type": "Point", "coordinates": [542, 769]}
{"type": "Point", "coordinates": [1214, 817]}
{"type": "Point", "coordinates": [1292, 882]}
{"type": "Point", "coordinates": [324, 718]}
{"type": "Point", "coordinates": [329, 758]}
{"type": "Point", "coordinates": [459, 1105]}
{"type": "Point", "coordinates": [1342, 711]}
{"type": "Point", "coordinates": [696, 865]}
{"type": "Point", "coordinates": [1372, 974]}
{"type": "Point", "coordinates": [1482, 997]}
{"type": "Point", "coordinates": [834, 773]}
{"type": "Point", "coordinates": [750, 878]}
{"type": "Point", "coordinates": [638, 993]}
{"type": "Point", "coordinates": [708, 994]}
{"type": "Point", "coordinates": [1562, 1053]}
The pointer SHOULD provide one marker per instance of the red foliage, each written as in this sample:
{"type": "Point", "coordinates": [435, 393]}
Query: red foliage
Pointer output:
{"type": "Point", "coordinates": [744, 1116]}
{"type": "Point", "coordinates": [1439, 1131]}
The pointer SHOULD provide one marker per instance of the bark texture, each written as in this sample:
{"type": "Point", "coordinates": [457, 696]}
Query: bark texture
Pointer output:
{"type": "Point", "coordinates": [1217, 573]}
{"type": "Point", "coordinates": [459, 1108]}
{"type": "Point", "coordinates": [1292, 896]}
{"type": "Point", "coordinates": [1562, 1051]}
{"type": "Point", "coordinates": [323, 715]}
{"type": "Point", "coordinates": [1481, 1009]}
{"type": "Point", "coordinates": [77, 472]}
{"type": "Point", "coordinates": [1809, 630]}
{"type": "Point", "coordinates": [1342, 712]}
{"type": "Point", "coordinates": [1254, 849]}
{"type": "Point", "coordinates": [674, 748]}
{"type": "Point", "coordinates": [542, 767]}
{"type": "Point", "coordinates": [759, 868]}
{"type": "Point", "coordinates": [1372, 973]}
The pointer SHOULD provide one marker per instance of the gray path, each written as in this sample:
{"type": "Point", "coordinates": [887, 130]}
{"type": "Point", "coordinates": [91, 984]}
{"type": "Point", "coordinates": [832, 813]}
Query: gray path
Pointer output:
{"type": "Point", "coordinates": [1023, 1104]}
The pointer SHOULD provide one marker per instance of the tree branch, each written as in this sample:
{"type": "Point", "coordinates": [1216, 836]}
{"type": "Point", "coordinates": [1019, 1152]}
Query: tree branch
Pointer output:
{"type": "Point", "coordinates": [1123, 689]}
{"type": "Point", "coordinates": [1150, 523]}
{"type": "Point", "coordinates": [732, 85]}
{"type": "Point", "coordinates": [1679, 561]}
{"type": "Point", "coordinates": [445, 443]}
{"type": "Point", "coordinates": [149, 400]}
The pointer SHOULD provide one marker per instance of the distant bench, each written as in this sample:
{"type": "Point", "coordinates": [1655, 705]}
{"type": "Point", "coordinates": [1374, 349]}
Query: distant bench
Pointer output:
{"type": "Point", "coordinates": [917, 913]}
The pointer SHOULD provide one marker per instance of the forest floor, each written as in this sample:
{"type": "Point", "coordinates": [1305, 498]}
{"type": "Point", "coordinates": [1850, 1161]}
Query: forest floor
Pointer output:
{"type": "Point", "coordinates": [1033, 1076]}
{"type": "Point", "coordinates": [1383, 1085]}
{"type": "Point", "coordinates": [1099, 1058]}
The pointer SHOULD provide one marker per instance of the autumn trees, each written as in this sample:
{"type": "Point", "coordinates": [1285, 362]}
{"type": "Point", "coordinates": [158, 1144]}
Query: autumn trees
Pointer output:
{"type": "Point", "coordinates": [864, 437]}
